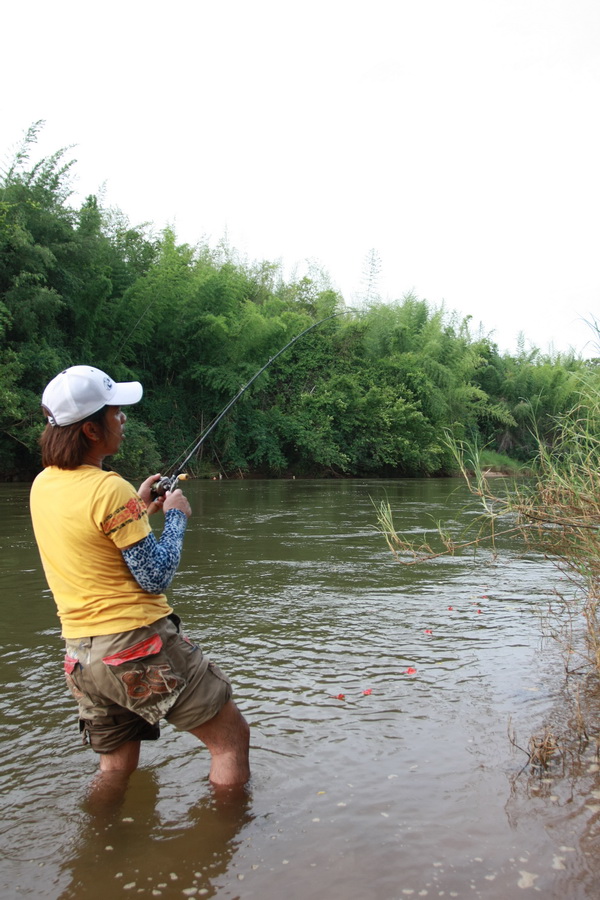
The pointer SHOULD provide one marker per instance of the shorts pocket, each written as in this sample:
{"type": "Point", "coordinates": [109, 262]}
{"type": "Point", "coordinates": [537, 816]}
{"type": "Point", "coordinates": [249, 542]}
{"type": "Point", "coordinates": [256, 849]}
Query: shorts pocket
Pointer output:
{"type": "Point", "coordinates": [147, 647]}
{"type": "Point", "coordinates": [146, 681]}
{"type": "Point", "coordinates": [70, 664]}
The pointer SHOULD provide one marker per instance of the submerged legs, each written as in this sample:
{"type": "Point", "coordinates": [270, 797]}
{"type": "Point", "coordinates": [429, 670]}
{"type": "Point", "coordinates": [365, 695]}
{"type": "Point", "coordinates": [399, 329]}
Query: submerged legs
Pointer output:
{"type": "Point", "coordinates": [227, 737]}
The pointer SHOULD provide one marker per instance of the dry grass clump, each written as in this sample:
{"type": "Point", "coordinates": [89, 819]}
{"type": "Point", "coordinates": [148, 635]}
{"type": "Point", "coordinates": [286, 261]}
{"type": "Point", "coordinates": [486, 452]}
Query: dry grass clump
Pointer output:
{"type": "Point", "coordinates": [543, 749]}
{"type": "Point", "coordinates": [571, 743]}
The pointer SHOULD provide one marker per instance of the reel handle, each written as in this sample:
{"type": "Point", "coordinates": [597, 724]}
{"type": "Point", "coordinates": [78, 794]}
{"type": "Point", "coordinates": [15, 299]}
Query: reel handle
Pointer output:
{"type": "Point", "coordinates": [166, 483]}
{"type": "Point", "coordinates": [160, 487]}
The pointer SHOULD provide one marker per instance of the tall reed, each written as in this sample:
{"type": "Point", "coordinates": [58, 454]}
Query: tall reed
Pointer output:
{"type": "Point", "coordinates": [555, 510]}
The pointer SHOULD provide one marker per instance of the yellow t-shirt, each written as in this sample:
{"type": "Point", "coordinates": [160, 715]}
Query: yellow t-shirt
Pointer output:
{"type": "Point", "coordinates": [82, 519]}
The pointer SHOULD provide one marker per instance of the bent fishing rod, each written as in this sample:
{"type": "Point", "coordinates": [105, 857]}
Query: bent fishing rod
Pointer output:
{"type": "Point", "coordinates": [169, 482]}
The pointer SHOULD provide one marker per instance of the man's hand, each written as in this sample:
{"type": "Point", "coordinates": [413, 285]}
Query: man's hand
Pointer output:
{"type": "Point", "coordinates": [145, 491]}
{"type": "Point", "coordinates": [176, 500]}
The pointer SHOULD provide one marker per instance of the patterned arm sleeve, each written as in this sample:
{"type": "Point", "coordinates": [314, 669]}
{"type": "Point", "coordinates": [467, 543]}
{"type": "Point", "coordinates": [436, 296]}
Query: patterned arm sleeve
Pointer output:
{"type": "Point", "coordinates": [153, 563]}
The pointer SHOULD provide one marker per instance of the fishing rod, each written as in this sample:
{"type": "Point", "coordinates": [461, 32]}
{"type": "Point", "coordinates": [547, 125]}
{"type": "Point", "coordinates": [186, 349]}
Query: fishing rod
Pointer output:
{"type": "Point", "coordinates": [169, 482]}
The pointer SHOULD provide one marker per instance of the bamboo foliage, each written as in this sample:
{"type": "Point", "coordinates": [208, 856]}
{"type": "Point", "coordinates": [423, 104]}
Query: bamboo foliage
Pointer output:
{"type": "Point", "coordinates": [372, 392]}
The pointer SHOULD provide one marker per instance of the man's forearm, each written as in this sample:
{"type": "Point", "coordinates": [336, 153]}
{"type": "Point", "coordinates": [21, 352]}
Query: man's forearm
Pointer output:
{"type": "Point", "coordinates": [154, 563]}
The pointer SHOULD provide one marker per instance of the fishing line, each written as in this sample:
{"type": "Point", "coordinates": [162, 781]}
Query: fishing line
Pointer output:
{"type": "Point", "coordinates": [133, 330]}
{"type": "Point", "coordinates": [169, 482]}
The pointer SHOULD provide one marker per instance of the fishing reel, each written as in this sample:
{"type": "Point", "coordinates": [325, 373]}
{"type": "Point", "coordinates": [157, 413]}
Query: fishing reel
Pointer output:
{"type": "Point", "coordinates": [166, 483]}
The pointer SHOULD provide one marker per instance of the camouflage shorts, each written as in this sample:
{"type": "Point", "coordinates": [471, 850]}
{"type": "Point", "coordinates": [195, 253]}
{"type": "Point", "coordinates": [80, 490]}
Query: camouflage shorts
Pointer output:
{"type": "Point", "coordinates": [125, 683]}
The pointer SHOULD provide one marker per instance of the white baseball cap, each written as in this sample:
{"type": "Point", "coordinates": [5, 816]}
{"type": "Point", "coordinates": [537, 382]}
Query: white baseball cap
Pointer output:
{"type": "Point", "coordinates": [80, 391]}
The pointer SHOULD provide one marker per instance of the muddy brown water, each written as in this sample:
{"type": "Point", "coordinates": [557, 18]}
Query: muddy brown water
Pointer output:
{"type": "Point", "coordinates": [380, 699]}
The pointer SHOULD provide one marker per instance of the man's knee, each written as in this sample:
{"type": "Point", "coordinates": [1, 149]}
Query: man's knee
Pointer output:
{"type": "Point", "coordinates": [226, 731]}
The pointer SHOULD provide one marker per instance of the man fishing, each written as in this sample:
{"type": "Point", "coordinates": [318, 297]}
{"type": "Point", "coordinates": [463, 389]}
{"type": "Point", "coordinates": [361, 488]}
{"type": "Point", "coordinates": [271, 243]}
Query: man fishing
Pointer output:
{"type": "Point", "coordinates": [127, 662]}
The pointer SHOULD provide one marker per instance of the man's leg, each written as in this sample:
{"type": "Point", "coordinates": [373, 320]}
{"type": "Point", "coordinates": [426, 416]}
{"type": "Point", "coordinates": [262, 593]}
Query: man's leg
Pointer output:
{"type": "Point", "coordinates": [124, 759]}
{"type": "Point", "coordinates": [227, 736]}
{"type": "Point", "coordinates": [107, 789]}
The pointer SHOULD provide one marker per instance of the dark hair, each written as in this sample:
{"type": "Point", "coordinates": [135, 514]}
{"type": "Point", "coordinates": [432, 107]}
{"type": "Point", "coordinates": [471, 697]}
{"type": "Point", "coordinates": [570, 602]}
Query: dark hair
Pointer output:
{"type": "Point", "coordinates": [66, 446]}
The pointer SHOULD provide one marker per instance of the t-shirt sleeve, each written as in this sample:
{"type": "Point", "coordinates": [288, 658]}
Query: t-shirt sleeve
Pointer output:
{"type": "Point", "coordinates": [119, 512]}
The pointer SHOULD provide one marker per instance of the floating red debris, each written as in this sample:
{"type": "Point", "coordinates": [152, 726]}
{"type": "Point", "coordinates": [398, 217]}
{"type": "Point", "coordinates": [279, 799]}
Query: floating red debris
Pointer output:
{"type": "Point", "coordinates": [428, 631]}
{"type": "Point", "coordinates": [368, 691]}
{"type": "Point", "coordinates": [411, 671]}
{"type": "Point", "coordinates": [339, 697]}
{"type": "Point", "coordinates": [479, 611]}
{"type": "Point", "coordinates": [450, 607]}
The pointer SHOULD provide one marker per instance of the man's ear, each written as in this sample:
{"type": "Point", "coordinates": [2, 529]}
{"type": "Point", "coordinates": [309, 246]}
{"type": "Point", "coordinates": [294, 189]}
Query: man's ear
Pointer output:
{"type": "Point", "coordinates": [91, 431]}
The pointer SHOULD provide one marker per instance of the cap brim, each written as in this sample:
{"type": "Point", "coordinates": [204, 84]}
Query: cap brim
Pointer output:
{"type": "Point", "coordinates": [127, 393]}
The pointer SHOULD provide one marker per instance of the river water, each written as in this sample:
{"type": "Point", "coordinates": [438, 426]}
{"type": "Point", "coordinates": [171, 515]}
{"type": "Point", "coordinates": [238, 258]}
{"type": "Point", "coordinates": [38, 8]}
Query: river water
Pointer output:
{"type": "Point", "coordinates": [380, 697]}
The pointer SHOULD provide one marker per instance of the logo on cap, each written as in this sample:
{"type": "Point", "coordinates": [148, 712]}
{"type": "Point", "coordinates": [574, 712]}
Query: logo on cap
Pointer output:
{"type": "Point", "coordinates": [108, 383]}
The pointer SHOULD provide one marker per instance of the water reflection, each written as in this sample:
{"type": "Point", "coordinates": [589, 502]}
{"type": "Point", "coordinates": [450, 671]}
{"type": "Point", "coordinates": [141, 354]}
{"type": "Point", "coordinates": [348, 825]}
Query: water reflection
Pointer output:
{"type": "Point", "coordinates": [144, 845]}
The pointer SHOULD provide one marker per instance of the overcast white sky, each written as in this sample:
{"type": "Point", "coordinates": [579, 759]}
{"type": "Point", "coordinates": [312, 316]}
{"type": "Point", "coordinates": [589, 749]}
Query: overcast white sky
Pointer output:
{"type": "Point", "coordinates": [460, 139]}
